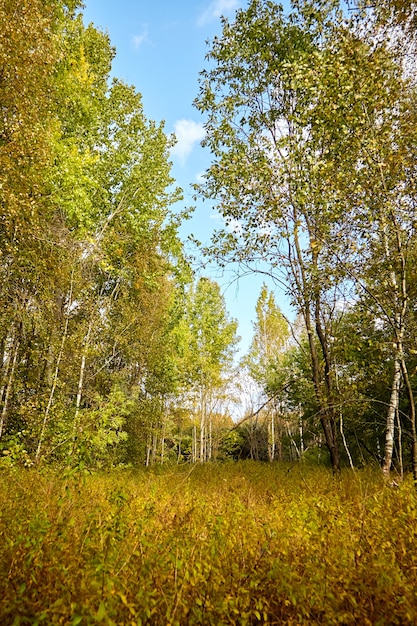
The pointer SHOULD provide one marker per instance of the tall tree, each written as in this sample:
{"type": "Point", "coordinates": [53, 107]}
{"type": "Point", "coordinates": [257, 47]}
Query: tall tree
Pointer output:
{"type": "Point", "coordinates": [29, 264]}
{"type": "Point", "coordinates": [210, 341]}
{"type": "Point", "coordinates": [91, 255]}
{"type": "Point", "coordinates": [268, 177]}
{"type": "Point", "coordinates": [271, 334]}
{"type": "Point", "coordinates": [308, 123]}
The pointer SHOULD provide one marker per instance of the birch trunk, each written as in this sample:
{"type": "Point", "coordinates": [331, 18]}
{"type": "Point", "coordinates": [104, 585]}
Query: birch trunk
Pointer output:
{"type": "Point", "coordinates": [392, 411]}
{"type": "Point", "coordinates": [210, 445]}
{"type": "Point", "coordinates": [148, 450]}
{"type": "Point", "coordinates": [80, 386]}
{"type": "Point", "coordinates": [300, 430]}
{"type": "Point", "coordinates": [202, 426]}
{"type": "Point", "coordinates": [163, 439]}
{"type": "Point", "coordinates": [7, 389]}
{"type": "Point", "coordinates": [194, 445]}
{"type": "Point", "coordinates": [399, 287]}
{"type": "Point", "coordinates": [271, 433]}
{"type": "Point", "coordinates": [56, 375]}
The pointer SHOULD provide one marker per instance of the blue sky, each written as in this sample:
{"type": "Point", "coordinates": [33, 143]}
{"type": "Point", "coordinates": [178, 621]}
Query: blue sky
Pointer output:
{"type": "Point", "coordinates": [160, 49]}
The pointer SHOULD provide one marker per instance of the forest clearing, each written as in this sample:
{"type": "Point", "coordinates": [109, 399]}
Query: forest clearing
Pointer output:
{"type": "Point", "coordinates": [148, 475]}
{"type": "Point", "coordinates": [233, 543]}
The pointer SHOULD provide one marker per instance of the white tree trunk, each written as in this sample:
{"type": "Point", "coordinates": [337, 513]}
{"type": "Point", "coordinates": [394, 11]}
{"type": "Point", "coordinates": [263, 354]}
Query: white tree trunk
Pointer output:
{"type": "Point", "coordinates": [300, 430]}
{"type": "Point", "coordinates": [271, 434]}
{"type": "Point", "coordinates": [56, 374]}
{"type": "Point", "coordinates": [202, 426]}
{"type": "Point", "coordinates": [392, 411]}
{"type": "Point", "coordinates": [7, 389]}
{"type": "Point", "coordinates": [80, 386]}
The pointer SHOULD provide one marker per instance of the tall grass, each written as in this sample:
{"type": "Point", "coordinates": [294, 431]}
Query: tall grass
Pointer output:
{"type": "Point", "coordinates": [242, 543]}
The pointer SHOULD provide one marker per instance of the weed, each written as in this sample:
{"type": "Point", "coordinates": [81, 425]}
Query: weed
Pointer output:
{"type": "Point", "coordinates": [243, 543]}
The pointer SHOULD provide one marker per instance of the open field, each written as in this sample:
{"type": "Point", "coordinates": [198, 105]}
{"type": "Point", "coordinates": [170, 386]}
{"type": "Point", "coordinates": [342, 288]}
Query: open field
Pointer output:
{"type": "Point", "coordinates": [242, 543]}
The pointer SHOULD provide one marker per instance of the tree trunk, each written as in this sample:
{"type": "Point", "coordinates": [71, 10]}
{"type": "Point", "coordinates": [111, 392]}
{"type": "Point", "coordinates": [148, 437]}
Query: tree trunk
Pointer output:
{"type": "Point", "coordinates": [326, 412]}
{"type": "Point", "coordinates": [329, 428]}
{"type": "Point", "coordinates": [300, 429]}
{"type": "Point", "coordinates": [148, 449]}
{"type": "Point", "coordinates": [210, 444]}
{"type": "Point", "coordinates": [56, 374]}
{"type": "Point", "coordinates": [202, 426]}
{"type": "Point", "coordinates": [9, 376]}
{"type": "Point", "coordinates": [194, 445]}
{"type": "Point", "coordinates": [163, 440]}
{"type": "Point", "coordinates": [80, 386]}
{"type": "Point", "coordinates": [271, 433]}
{"type": "Point", "coordinates": [392, 410]}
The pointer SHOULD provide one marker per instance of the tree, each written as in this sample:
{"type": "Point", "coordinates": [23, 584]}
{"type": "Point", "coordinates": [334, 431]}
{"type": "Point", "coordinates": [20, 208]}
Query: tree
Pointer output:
{"type": "Point", "coordinates": [268, 176]}
{"type": "Point", "coordinates": [393, 193]}
{"type": "Point", "coordinates": [209, 340]}
{"type": "Point", "coordinates": [309, 122]}
{"type": "Point", "coordinates": [29, 263]}
{"type": "Point", "coordinates": [271, 334]}
{"type": "Point", "coordinates": [92, 260]}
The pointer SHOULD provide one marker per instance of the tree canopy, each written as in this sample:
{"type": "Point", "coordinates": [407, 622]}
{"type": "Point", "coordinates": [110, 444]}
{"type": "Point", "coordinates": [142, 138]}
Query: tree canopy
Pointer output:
{"type": "Point", "coordinates": [310, 120]}
{"type": "Point", "coordinates": [112, 351]}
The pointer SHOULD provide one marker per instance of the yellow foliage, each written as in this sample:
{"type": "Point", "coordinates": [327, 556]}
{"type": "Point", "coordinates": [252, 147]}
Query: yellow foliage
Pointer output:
{"type": "Point", "coordinates": [241, 543]}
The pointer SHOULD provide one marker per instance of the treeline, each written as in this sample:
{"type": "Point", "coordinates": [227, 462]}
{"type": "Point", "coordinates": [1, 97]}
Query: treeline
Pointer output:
{"type": "Point", "coordinates": [110, 353]}
{"type": "Point", "coordinates": [311, 120]}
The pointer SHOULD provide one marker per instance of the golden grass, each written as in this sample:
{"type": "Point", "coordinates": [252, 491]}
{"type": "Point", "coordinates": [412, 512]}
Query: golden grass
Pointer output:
{"type": "Point", "coordinates": [242, 543]}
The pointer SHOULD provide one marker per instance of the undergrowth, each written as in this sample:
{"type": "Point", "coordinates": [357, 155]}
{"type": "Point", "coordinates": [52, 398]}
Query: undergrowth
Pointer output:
{"type": "Point", "coordinates": [242, 543]}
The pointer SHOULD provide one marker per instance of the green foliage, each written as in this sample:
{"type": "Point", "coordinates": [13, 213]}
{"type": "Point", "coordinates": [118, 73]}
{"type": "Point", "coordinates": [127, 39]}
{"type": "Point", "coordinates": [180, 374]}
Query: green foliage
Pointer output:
{"type": "Point", "coordinates": [104, 429]}
{"type": "Point", "coordinates": [91, 262]}
{"type": "Point", "coordinates": [106, 357]}
{"type": "Point", "coordinates": [206, 339]}
{"type": "Point", "coordinates": [310, 118]}
{"type": "Point", "coordinates": [271, 334]}
{"type": "Point", "coordinates": [212, 337]}
{"type": "Point", "coordinates": [242, 543]}
{"type": "Point", "coordinates": [13, 452]}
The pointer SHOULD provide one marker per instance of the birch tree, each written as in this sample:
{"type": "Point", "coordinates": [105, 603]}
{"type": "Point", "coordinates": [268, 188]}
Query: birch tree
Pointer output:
{"type": "Point", "coordinates": [267, 178]}
{"type": "Point", "coordinates": [211, 339]}
{"type": "Point", "coordinates": [90, 252]}
{"type": "Point", "coordinates": [271, 334]}
{"type": "Point", "coordinates": [310, 124]}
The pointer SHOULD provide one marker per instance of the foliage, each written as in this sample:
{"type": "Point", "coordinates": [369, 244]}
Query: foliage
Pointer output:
{"type": "Point", "coordinates": [242, 543]}
{"type": "Point", "coordinates": [110, 353]}
{"type": "Point", "coordinates": [310, 118]}
{"type": "Point", "coordinates": [207, 340]}
{"type": "Point", "coordinates": [92, 265]}
{"type": "Point", "coordinates": [270, 338]}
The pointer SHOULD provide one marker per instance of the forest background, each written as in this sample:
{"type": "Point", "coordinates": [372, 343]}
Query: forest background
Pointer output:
{"type": "Point", "coordinates": [112, 354]}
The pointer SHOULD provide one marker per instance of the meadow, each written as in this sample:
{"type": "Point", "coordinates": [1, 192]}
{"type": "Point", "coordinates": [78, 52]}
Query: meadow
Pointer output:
{"type": "Point", "coordinates": [234, 543]}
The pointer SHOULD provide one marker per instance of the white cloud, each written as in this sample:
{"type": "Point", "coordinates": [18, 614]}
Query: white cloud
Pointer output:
{"type": "Point", "coordinates": [216, 9]}
{"type": "Point", "coordinates": [231, 225]}
{"type": "Point", "coordinates": [201, 177]}
{"type": "Point", "coordinates": [187, 133]}
{"type": "Point", "coordinates": [137, 40]}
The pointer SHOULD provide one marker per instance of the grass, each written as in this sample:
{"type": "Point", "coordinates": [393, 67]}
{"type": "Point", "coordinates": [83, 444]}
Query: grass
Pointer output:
{"type": "Point", "coordinates": [242, 543]}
